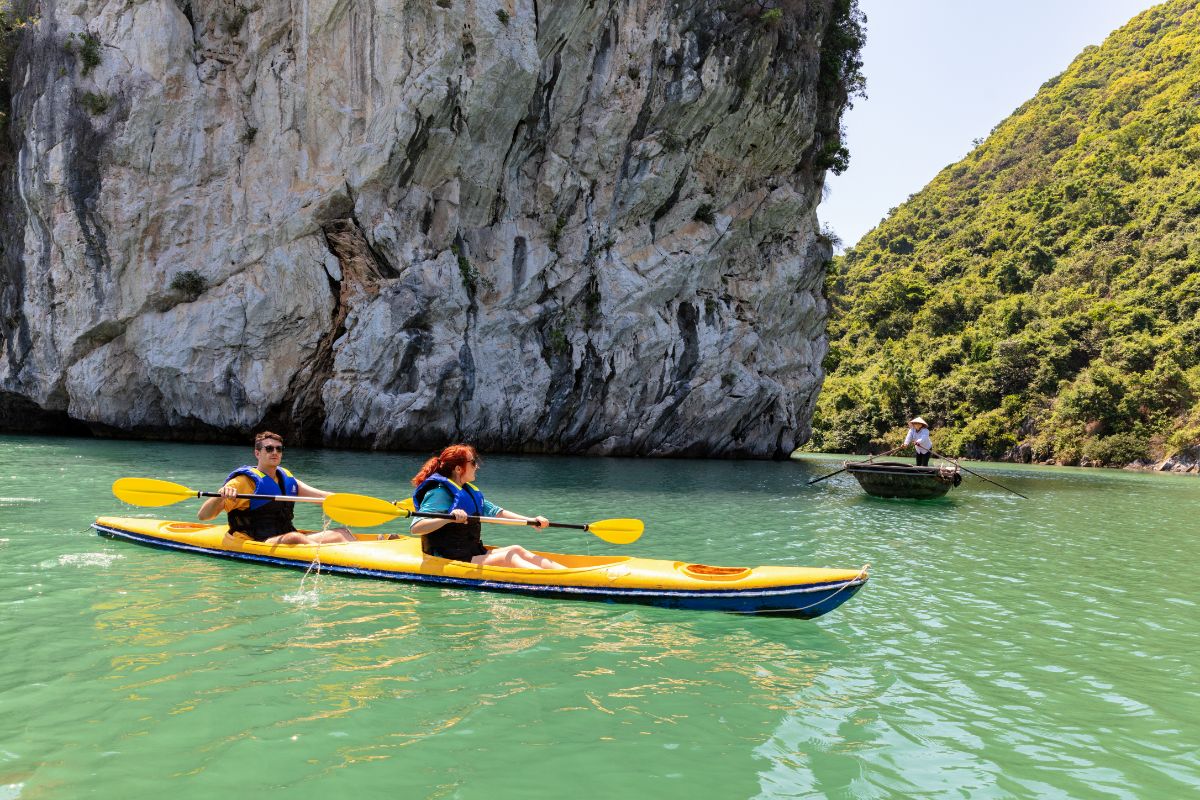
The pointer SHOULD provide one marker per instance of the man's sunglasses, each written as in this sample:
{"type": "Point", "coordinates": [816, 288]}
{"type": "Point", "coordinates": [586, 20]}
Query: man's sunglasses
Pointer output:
{"type": "Point", "coordinates": [272, 448]}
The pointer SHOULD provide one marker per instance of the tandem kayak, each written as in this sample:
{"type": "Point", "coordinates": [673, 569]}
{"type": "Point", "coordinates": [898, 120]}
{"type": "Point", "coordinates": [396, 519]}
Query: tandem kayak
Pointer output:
{"type": "Point", "coordinates": [804, 592]}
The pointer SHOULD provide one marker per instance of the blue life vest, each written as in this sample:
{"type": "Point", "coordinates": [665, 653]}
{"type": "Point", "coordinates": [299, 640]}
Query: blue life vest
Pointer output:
{"type": "Point", "coordinates": [265, 518]}
{"type": "Point", "coordinates": [458, 542]}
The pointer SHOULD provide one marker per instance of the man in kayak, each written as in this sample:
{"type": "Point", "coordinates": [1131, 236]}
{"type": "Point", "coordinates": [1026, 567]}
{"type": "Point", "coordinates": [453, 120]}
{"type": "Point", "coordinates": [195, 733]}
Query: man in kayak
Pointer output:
{"type": "Point", "coordinates": [918, 437]}
{"type": "Point", "coordinates": [267, 521]}
{"type": "Point", "coordinates": [444, 486]}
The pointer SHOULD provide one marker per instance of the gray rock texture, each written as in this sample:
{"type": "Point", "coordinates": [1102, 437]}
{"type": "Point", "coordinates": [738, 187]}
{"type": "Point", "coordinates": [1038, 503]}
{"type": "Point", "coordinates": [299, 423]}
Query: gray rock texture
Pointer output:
{"type": "Point", "coordinates": [568, 226]}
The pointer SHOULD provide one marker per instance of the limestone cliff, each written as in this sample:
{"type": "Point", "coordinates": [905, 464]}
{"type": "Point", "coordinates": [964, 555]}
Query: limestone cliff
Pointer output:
{"type": "Point", "coordinates": [568, 226]}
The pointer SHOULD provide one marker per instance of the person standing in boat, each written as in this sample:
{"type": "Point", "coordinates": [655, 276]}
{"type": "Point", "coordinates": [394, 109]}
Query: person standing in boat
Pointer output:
{"type": "Point", "coordinates": [267, 521]}
{"type": "Point", "coordinates": [918, 437]}
{"type": "Point", "coordinates": [444, 485]}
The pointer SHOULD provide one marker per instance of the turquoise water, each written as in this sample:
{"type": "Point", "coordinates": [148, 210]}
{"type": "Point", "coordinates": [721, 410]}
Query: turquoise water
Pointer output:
{"type": "Point", "coordinates": [1003, 648]}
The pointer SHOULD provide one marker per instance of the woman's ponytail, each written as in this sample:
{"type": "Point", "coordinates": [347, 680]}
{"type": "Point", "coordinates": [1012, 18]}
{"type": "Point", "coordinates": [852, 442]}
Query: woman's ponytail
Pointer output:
{"type": "Point", "coordinates": [456, 455]}
{"type": "Point", "coordinates": [428, 469]}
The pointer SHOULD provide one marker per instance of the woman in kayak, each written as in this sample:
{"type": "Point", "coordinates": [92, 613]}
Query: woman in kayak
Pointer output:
{"type": "Point", "coordinates": [444, 486]}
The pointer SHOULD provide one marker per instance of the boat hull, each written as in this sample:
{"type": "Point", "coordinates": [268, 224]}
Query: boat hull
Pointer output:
{"type": "Point", "coordinates": [803, 592]}
{"type": "Point", "coordinates": [890, 479]}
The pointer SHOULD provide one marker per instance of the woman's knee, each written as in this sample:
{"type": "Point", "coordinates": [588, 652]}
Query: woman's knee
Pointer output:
{"type": "Point", "coordinates": [497, 557]}
{"type": "Point", "coordinates": [515, 556]}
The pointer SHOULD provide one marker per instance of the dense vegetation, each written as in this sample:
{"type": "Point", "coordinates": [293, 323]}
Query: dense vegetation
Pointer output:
{"type": "Point", "coordinates": [12, 23]}
{"type": "Point", "coordinates": [1040, 299]}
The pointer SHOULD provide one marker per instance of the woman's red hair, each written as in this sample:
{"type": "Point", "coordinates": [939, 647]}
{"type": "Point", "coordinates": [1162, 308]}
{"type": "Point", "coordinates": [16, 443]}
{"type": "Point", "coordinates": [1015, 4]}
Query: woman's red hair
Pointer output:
{"type": "Point", "coordinates": [456, 455]}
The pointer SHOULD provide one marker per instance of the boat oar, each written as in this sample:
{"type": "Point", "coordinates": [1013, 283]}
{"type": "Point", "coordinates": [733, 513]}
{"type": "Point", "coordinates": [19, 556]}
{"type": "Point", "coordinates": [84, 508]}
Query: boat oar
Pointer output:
{"type": "Point", "coordinates": [843, 469]}
{"type": "Point", "coordinates": [977, 475]}
{"type": "Point", "coordinates": [358, 510]}
{"type": "Point", "coordinates": [153, 493]}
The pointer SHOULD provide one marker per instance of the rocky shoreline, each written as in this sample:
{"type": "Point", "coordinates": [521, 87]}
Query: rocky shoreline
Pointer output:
{"type": "Point", "coordinates": [1186, 461]}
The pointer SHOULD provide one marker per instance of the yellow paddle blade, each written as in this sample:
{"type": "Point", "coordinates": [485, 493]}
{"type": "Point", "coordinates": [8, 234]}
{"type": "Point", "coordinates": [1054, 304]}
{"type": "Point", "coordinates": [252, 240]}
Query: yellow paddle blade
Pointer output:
{"type": "Point", "coordinates": [617, 531]}
{"type": "Point", "coordinates": [150, 492]}
{"type": "Point", "coordinates": [406, 504]}
{"type": "Point", "coordinates": [361, 510]}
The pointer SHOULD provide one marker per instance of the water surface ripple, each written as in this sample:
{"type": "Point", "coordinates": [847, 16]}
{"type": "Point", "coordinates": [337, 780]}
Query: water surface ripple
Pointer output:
{"type": "Point", "coordinates": [1004, 648]}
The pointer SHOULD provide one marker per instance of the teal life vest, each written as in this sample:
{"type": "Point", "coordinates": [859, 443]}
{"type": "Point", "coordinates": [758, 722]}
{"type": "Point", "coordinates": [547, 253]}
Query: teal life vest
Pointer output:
{"type": "Point", "coordinates": [455, 541]}
{"type": "Point", "coordinates": [265, 519]}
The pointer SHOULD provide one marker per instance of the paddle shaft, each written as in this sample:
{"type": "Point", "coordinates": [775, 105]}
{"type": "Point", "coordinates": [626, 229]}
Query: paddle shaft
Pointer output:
{"type": "Point", "coordinates": [497, 520]}
{"type": "Point", "coordinates": [843, 469]}
{"type": "Point", "coordinates": [363, 510]}
{"type": "Point", "coordinates": [280, 497]}
{"type": "Point", "coordinates": [977, 475]}
{"type": "Point", "coordinates": [830, 475]}
{"type": "Point", "coordinates": [889, 452]}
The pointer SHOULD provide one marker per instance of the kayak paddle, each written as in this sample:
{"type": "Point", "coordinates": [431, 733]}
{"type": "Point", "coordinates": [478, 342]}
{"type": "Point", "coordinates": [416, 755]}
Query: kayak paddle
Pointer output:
{"type": "Point", "coordinates": [977, 475]}
{"type": "Point", "coordinates": [843, 469]}
{"type": "Point", "coordinates": [152, 493]}
{"type": "Point", "coordinates": [358, 510]}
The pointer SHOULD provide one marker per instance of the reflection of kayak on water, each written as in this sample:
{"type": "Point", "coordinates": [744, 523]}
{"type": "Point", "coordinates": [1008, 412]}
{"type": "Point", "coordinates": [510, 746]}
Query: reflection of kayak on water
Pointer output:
{"type": "Point", "coordinates": [895, 479]}
{"type": "Point", "coordinates": [788, 591]}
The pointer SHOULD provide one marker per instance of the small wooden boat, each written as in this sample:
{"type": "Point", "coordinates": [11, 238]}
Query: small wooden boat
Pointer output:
{"type": "Point", "coordinates": [791, 591]}
{"type": "Point", "coordinates": [894, 479]}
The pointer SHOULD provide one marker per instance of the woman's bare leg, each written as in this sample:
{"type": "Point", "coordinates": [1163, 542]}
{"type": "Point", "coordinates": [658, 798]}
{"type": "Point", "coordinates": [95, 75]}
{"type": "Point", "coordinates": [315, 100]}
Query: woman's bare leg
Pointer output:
{"type": "Point", "coordinates": [515, 556]}
{"type": "Point", "coordinates": [332, 535]}
{"type": "Point", "coordinates": [541, 561]}
{"type": "Point", "coordinates": [320, 537]}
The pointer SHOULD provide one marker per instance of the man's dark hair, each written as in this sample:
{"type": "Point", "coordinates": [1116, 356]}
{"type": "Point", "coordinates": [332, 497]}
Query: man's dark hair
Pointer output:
{"type": "Point", "coordinates": [258, 438]}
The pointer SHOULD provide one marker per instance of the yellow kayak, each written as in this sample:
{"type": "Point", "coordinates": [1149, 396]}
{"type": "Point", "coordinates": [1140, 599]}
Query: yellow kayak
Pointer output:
{"type": "Point", "coordinates": [789, 591]}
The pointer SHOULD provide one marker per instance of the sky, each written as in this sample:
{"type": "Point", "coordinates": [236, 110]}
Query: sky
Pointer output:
{"type": "Point", "coordinates": [941, 73]}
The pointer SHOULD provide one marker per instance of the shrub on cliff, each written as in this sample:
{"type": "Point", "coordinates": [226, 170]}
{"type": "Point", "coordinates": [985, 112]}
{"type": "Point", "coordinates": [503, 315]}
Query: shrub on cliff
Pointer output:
{"type": "Point", "coordinates": [11, 24]}
{"type": "Point", "coordinates": [189, 283]}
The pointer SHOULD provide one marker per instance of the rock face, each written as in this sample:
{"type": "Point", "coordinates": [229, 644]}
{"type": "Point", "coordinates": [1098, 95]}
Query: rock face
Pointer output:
{"type": "Point", "coordinates": [561, 226]}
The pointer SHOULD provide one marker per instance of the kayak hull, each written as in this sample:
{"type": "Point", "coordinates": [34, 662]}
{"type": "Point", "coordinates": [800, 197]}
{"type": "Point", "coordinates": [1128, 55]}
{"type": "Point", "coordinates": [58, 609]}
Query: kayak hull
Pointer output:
{"type": "Point", "coordinates": [802, 592]}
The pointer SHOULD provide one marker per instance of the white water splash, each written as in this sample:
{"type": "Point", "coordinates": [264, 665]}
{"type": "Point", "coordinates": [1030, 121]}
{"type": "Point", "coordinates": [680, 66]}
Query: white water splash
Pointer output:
{"type": "Point", "coordinates": [304, 598]}
{"type": "Point", "coordinates": [14, 501]}
{"type": "Point", "coordinates": [84, 560]}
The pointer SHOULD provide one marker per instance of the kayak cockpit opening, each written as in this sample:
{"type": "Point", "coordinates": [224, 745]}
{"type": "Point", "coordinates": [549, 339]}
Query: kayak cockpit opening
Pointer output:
{"type": "Point", "coordinates": [706, 572]}
{"type": "Point", "coordinates": [187, 527]}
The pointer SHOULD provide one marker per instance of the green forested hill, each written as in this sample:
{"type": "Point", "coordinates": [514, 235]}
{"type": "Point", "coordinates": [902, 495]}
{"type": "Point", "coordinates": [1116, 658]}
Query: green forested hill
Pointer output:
{"type": "Point", "coordinates": [1040, 298]}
